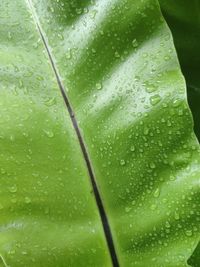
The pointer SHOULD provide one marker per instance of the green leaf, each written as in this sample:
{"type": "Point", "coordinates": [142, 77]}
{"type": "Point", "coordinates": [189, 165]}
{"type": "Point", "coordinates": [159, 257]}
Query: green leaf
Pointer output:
{"type": "Point", "coordinates": [48, 215]}
{"type": "Point", "coordinates": [183, 18]}
{"type": "Point", "coordinates": [124, 139]}
{"type": "Point", "coordinates": [195, 258]}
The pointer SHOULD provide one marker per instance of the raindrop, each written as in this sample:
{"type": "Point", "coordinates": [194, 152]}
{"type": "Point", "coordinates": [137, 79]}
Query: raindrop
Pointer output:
{"type": "Point", "coordinates": [157, 192]}
{"type": "Point", "coordinates": [50, 101]}
{"type": "Point", "coordinates": [117, 55]}
{"type": "Point", "coordinates": [154, 100]}
{"type": "Point", "coordinates": [132, 148]}
{"type": "Point", "coordinates": [68, 54]}
{"type": "Point", "coordinates": [27, 200]}
{"type": "Point", "coordinates": [13, 189]}
{"type": "Point", "coordinates": [152, 165]}
{"type": "Point", "coordinates": [122, 162]}
{"type": "Point", "coordinates": [49, 133]}
{"type": "Point", "coordinates": [188, 232]}
{"type": "Point", "coordinates": [176, 216]}
{"type": "Point", "coordinates": [134, 43]}
{"type": "Point", "coordinates": [127, 209]}
{"type": "Point", "coordinates": [98, 86]}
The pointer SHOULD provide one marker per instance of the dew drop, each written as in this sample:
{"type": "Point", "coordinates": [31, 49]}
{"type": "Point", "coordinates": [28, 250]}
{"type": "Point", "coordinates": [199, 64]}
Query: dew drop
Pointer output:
{"type": "Point", "coordinates": [156, 192]}
{"type": "Point", "coordinates": [13, 189]}
{"type": "Point", "coordinates": [154, 100]}
{"type": "Point", "coordinates": [27, 200]}
{"type": "Point", "coordinates": [188, 233]}
{"type": "Point", "coordinates": [152, 165]}
{"type": "Point", "coordinates": [50, 101]}
{"type": "Point", "coordinates": [132, 148]}
{"type": "Point", "coordinates": [68, 54]}
{"type": "Point", "coordinates": [117, 55]}
{"type": "Point", "coordinates": [134, 43]}
{"type": "Point", "coordinates": [176, 216]}
{"type": "Point", "coordinates": [122, 162]}
{"type": "Point", "coordinates": [49, 133]}
{"type": "Point", "coordinates": [127, 209]}
{"type": "Point", "coordinates": [98, 86]}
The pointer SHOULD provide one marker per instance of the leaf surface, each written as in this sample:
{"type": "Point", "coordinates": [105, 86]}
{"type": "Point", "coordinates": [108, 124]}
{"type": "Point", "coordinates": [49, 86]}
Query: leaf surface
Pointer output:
{"type": "Point", "coordinates": [116, 63]}
{"type": "Point", "coordinates": [48, 212]}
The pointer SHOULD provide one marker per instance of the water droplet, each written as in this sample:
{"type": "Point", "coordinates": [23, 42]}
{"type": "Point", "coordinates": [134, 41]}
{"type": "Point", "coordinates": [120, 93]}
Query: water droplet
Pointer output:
{"type": "Point", "coordinates": [122, 162]}
{"type": "Point", "coordinates": [152, 165]}
{"type": "Point", "coordinates": [93, 14]}
{"type": "Point", "coordinates": [150, 88]}
{"type": "Point", "coordinates": [68, 54]}
{"type": "Point", "coordinates": [146, 131]}
{"type": "Point", "coordinates": [188, 233]}
{"type": "Point", "coordinates": [176, 216]}
{"type": "Point", "coordinates": [13, 188]}
{"type": "Point", "coordinates": [127, 209]}
{"type": "Point", "coordinates": [176, 102]}
{"type": "Point", "coordinates": [134, 43]}
{"type": "Point", "coordinates": [166, 58]}
{"type": "Point", "coordinates": [98, 86]}
{"type": "Point", "coordinates": [79, 11]}
{"type": "Point", "coordinates": [154, 100]}
{"type": "Point", "coordinates": [117, 55]}
{"type": "Point", "coordinates": [3, 171]}
{"type": "Point", "coordinates": [27, 200]}
{"type": "Point", "coordinates": [50, 101]}
{"type": "Point", "coordinates": [156, 192]}
{"type": "Point", "coordinates": [9, 36]}
{"type": "Point", "coordinates": [132, 148]}
{"type": "Point", "coordinates": [153, 207]}
{"type": "Point", "coordinates": [49, 133]}
{"type": "Point", "coordinates": [60, 36]}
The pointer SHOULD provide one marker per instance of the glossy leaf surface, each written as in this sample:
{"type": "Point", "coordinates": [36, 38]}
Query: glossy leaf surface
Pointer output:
{"type": "Point", "coordinates": [48, 215]}
{"type": "Point", "coordinates": [119, 68]}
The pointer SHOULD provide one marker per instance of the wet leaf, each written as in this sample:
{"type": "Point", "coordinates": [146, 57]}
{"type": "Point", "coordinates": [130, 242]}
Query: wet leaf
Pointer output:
{"type": "Point", "coordinates": [95, 131]}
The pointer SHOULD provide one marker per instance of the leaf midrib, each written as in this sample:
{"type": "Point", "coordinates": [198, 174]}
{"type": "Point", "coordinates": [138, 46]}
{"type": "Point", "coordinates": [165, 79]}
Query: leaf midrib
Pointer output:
{"type": "Point", "coordinates": [99, 202]}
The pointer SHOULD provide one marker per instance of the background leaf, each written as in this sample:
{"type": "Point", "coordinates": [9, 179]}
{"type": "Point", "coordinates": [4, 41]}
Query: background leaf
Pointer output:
{"type": "Point", "coordinates": [183, 18]}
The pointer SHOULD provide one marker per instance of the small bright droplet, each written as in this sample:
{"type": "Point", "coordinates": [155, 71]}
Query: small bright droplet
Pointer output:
{"type": "Point", "coordinates": [154, 100]}
{"type": "Point", "coordinates": [157, 192]}
{"type": "Point", "coordinates": [68, 54]}
{"type": "Point", "coordinates": [50, 101]}
{"type": "Point", "coordinates": [98, 86]}
{"type": "Point", "coordinates": [146, 131]}
{"type": "Point", "coordinates": [176, 103]}
{"type": "Point", "coordinates": [122, 162]}
{"type": "Point", "coordinates": [188, 232]}
{"type": "Point", "coordinates": [117, 55]}
{"type": "Point", "coordinates": [152, 165]}
{"type": "Point", "coordinates": [27, 200]}
{"type": "Point", "coordinates": [127, 209]}
{"type": "Point", "coordinates": [13, 188]}
{"type": "Point", "coordinates": [134, 43]}
{"type": "Point", "coordinates": [132, 148]}
{"type": "Point", "coordinates": [176, 216]}
{"type": "Point", "coordinates": [167, 224]}
{"type": "Point", "coordinates": [153, 207]}
{"type": "Point", "coordinates": [49, 133]}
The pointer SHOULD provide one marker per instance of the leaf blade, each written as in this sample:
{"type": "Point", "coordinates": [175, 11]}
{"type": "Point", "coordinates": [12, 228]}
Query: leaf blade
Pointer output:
{"type": "Point", "coordinates": [92, 75]}
{"type": "Point", "coordinates": [46, 219]}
